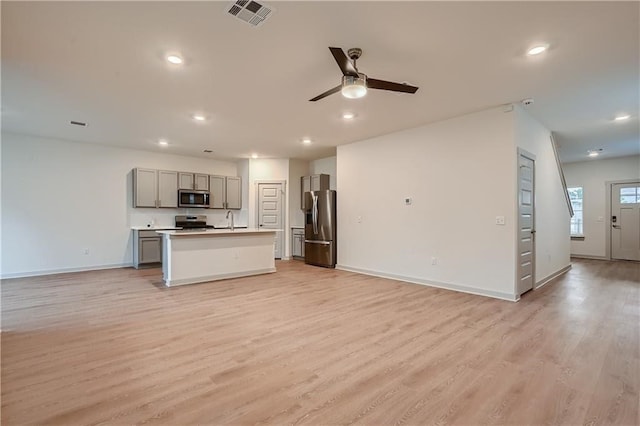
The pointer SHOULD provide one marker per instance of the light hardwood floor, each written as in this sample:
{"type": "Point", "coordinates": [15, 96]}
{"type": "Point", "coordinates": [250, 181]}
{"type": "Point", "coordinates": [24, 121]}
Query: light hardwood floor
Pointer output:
{"type": "Point", "coordinates": [318, 346]}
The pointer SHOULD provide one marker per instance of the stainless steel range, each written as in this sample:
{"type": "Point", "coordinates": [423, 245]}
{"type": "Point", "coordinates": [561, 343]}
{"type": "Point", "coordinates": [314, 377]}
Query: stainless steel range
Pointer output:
{"type": "Point", "coordinates": [192, 223]}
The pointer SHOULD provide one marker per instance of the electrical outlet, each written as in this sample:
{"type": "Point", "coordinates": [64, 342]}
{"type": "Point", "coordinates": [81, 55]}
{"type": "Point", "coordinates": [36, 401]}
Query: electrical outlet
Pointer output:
{"type": "Point", "coordinates": [434, 260]}
{"type": "Point", "coordinates": [500, 220]}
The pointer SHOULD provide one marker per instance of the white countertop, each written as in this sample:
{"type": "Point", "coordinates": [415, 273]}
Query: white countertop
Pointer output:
{"type": "Point", "coordinates": [236, 231]}
{"type": "Point", "coordinates": [152, 228]}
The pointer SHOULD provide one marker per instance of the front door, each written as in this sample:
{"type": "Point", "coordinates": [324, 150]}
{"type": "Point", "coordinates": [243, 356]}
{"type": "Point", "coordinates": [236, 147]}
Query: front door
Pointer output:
{"type": "Point", "coordinates": [625, 221]}
{"type": "Point", "coordinates": [526, 222]}
{"type": "Point", "coordinates": [270, 212]}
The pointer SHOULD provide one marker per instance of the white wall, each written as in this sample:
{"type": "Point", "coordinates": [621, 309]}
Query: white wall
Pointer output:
{"type": "Point", "coordinates": [270, 170]}
{"type": "Point", "coordinates": [297, 169]}
{"type": "Point", "coordinates": [460, 174]}
{"type": "Point", "coordinates": [592, 175]}
{"type": "Point", "coordinates": [60, 197]}
{"type": "Point", "coordinates": [325, 166]}
{"type": "Point", "coordinates": [243, 172]}
{"type": "Point", "coordinates": [551, 210]}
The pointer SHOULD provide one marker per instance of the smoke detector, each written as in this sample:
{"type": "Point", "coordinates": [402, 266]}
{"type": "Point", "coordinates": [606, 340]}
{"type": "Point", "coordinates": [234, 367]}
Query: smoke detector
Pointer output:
{"type": "Point", "coordinates": [527, 102]}
{"type": "Point", "coordinates": [249, 11]}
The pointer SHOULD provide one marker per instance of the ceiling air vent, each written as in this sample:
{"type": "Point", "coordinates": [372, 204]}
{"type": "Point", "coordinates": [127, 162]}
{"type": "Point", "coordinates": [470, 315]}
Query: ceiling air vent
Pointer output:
{"type": "Point", "coordinates": [250, 11]}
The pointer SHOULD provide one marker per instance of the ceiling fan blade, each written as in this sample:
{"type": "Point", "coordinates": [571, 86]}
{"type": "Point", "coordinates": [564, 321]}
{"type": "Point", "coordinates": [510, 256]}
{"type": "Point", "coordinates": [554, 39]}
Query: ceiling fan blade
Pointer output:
{"type": "Point", "coordinates": [372, 83]}
{"type": "Point", "coordinates": [343, 62]}
{"type": "Point", "coordinates": [327, 93]}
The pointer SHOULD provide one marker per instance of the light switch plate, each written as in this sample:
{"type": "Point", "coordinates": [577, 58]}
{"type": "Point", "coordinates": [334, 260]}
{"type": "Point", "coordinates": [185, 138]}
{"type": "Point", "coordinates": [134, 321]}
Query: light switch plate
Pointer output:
{"type": "Point", "coordinates": [500, 220]}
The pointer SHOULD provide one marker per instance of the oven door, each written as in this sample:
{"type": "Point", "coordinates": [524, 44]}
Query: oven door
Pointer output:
{"type": "Point", "coordinates": [188, 198]}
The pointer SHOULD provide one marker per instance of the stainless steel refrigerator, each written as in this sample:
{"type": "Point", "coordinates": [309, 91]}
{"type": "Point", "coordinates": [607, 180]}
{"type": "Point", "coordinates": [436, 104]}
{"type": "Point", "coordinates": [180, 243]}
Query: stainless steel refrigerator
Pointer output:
{"type": "Point", "coordinates": [320, 228]}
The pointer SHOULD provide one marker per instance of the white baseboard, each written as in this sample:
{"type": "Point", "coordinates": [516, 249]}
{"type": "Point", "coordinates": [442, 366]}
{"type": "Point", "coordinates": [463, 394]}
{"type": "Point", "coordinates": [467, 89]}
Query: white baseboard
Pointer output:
{"type": "Point", "coordinates": [64, 270]}
{"type": "Point", "coordinates": [551, 277]}
{"type": "Point", "coordinates": [587, 256]}
{"type": "Point", "coordinates": [197, 280]}
{"type": "Point", "coordinates": [431, 283]}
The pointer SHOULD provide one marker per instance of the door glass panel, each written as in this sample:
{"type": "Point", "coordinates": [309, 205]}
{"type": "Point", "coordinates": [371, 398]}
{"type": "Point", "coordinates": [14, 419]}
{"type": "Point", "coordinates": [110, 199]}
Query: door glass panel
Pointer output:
{"type": "Point", "coordinates": [628, 199]}
{"type": "Point", "coordinates": [628, 191]}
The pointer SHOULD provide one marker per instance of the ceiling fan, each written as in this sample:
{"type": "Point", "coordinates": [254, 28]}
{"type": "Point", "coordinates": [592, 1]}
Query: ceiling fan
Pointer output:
{"type": "Point", "coordinates": [354, 83]}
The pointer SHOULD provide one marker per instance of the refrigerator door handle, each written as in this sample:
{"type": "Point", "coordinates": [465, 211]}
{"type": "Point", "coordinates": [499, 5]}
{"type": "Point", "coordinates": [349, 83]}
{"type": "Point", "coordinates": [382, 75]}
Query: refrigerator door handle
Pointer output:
{"type": "Point", "coordinates": [324, 243]}
{"type": "Point", "coordinates": [315, 213]}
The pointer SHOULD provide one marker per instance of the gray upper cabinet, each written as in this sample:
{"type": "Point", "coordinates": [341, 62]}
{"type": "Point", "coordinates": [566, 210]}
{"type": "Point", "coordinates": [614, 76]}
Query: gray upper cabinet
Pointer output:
{"type": "Point", "coordinates": [145, 188]}
{"type": "Point", "coordinates": [217, 191]}
{"type": "Point", "coordinates": [313, 183]}
{"type": "Point", "coordinates": [155, 188]}
{"type": "Point", "coordinates": [197, 181]}
{"type": "Point", "coordinates": [167, 189]}
{"type": "Point", "coordinates": [234, 192]}
{"type": "Point", "coordinates": [226, 192]}
{"type": "Point", "coordinates": [201, 182]}
{"type": "Point", "coordinates": [185, 180]}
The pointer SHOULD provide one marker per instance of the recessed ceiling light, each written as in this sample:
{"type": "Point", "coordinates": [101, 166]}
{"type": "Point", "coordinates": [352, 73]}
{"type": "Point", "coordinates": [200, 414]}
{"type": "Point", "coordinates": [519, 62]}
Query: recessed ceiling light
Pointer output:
{"type": "Point", "coordinates": [536, 50]}
{"type": "Point", "coordinates": [594, 152]}
{"type": "Point", "coordinates": [174, 59]}
{"type": "Point", "coordinates": [306, 141]}
{"type": "Point", "coordinates": [199, 117]}
{"type": "Point", "coordinates": [254, 155]}
{"type": "Point", "coordinates": [348, 115]}
{"type": "Point", "coordinates": [163, 142]}
{"type": "Point", "coordinates": [622, 117]}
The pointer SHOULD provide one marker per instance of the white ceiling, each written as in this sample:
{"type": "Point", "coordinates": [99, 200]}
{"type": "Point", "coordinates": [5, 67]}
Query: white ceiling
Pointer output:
{"type": "Point", "coordinates": [103, 63]}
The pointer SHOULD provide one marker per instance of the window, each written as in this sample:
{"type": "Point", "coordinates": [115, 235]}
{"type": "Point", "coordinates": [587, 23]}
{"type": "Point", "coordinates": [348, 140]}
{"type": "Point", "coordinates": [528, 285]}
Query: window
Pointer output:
{"type": "Point", "coordinates": [575, 195]}
{"type": "Point", "coordinates": [629, 195]}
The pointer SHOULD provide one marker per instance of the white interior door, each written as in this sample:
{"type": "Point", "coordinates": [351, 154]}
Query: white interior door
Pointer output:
{"type": "Point", "coordinates": [270, 212]}
{"type": "Point", "coordinates": [625, 221]}
{"type": "Point", "coordinates": [526, 222]}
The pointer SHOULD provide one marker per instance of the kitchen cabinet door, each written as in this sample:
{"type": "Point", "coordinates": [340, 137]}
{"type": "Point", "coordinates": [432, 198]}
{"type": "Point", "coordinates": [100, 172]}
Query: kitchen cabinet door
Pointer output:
{"type": "Point", "coordinates": [150, 250]}
{"type": "Point", "coordinates": [297, 243]}
{"type": "Point", "coordinates": [185, 180]}
{"type": "Point", "coordinates": [201, 182]}
{"type": "Point", "coordinates": [319, 182]}
{"type": "Point", "coordinates": [217, 191]}
{"type": "Point", "coordinates": [234, 192]}
{"type": "Point", "coordinates": [305, 186]}
{"type": "Point", "coordinates": [145, 188]}
{"type": "Point", "coordinates": [167, 189]}
{"type": "Point", "coordinates": [312, 183]}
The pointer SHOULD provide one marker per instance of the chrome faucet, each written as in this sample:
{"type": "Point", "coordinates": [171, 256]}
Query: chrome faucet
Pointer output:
{"type": "Point", "coordinates": [230, 213]}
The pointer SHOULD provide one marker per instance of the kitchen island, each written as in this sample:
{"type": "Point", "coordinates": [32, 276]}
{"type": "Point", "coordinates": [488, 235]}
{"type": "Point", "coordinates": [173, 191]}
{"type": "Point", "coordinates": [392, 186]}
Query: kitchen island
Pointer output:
{"type": "Point", "coordinates": [190, 257]}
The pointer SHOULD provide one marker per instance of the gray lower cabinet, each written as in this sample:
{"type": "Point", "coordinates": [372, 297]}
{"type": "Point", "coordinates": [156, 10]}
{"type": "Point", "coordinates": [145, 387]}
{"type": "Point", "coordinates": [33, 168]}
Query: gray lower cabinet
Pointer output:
{"type": "Point", "coordinates": [147, 247]}
{"type": "Point", "coordinates": [297, 243]}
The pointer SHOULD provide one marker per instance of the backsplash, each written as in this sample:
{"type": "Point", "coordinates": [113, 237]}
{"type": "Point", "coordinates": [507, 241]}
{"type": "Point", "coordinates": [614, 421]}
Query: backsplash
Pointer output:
{"type": "Point", "coordinates": [166, 217]}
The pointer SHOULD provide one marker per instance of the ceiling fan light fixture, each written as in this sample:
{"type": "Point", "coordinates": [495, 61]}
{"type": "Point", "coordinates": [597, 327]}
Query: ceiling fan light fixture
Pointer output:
{"type": "Point", "coordinates": [354, 87]}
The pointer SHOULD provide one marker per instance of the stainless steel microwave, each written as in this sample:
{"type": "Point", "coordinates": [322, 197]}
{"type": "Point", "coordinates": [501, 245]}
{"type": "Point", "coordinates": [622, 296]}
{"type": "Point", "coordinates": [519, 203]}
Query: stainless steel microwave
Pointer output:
{"type": "Point", "coordinates": [191, 198]}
